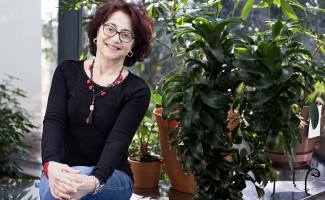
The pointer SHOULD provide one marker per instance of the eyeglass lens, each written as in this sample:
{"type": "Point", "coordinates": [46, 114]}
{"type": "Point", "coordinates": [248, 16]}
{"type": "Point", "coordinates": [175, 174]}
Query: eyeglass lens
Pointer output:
{"type": "Point", "coordinates": [111, 31]}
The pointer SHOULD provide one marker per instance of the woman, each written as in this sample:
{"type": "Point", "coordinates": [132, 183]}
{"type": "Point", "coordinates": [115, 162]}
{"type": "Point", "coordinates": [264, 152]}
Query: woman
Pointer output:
{"type": "Point", "coordinates": [95, 107]}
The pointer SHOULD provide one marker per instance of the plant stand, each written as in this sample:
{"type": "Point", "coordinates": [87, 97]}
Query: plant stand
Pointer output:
{"type": "Point", "coordinates": [306, 167]}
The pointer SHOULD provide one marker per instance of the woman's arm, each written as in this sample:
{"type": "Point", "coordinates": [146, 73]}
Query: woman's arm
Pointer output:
{"type": "Point", "coordinates": [120, 137]}
{"type": "Point", "coordinates": [53, 135]}
{"type": "Point", "coordinates": [55, 117]}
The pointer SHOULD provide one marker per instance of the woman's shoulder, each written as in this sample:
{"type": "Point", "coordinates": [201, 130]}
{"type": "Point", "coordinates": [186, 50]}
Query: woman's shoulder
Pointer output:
{"type": "Point", "coordinates": [137, 85]}
{"type": "Point", "coordinates": [70, 63]}
{"type": "Point", "coordinates": [137, 80]}
{"type": "Point", "coordinates": [67, 65]}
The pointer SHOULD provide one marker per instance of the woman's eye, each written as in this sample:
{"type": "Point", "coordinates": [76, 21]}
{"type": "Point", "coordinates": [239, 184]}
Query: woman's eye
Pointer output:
{"type": "Point", "coordinates": [110, 29]}
{"type": "Point", "coordinates": [126, 35]}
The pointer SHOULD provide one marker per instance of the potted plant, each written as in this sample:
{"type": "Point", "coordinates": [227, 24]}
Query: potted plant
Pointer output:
{"type": "Point", "coordinates": [276, 71]}
{"type": "Point", "coordinates": [179, 181]}
{"type": "Point", "coordinates": [146, 168]}
{"type": "Point", "coordinates": [220, 73]}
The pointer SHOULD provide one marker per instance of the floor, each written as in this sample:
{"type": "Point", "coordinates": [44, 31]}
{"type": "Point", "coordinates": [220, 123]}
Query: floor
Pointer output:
{"type": "Point", "coordinates": [284, 189]}
{"type": "Point", "coordinates": [28, 189]}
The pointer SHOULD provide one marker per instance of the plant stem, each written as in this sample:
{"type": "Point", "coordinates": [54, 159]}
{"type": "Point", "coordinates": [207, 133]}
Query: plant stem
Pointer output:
{"type": "Point", "coordinates": [160, 42]}
{"type": "Point", "coordinates": [317, 49]}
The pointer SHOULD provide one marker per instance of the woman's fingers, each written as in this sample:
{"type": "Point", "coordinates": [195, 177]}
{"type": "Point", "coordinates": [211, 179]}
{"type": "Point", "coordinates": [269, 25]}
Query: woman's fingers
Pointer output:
{"type": "Point", "coordinates": [66, 186]}
{"type": "Point", "coordinates": [72, 177]}
{"type": "Point", "coordinates": [62, 195]}
{"type": "Point", "coordinates": [65, 183]}
{"type": "Point", "coordinates": [54, 194]}
{"type": "Point", "coordinates": [70, 169]}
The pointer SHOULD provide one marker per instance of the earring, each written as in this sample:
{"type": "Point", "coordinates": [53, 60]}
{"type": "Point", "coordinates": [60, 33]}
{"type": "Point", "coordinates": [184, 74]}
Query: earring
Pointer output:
{"type": "Point", "coordinates": [130, 54]}
{"type": "Point", "coordinates": [95, 40]}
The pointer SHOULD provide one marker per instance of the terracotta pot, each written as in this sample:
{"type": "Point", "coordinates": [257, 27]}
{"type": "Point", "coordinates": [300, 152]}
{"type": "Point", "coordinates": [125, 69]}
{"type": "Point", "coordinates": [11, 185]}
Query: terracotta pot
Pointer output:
{"type": "Point", "coordinates": [146, 174]}
{"type": "Point", "coordinates": [304, 151]}
{"type": "Point", "coordinates": [178, 179]}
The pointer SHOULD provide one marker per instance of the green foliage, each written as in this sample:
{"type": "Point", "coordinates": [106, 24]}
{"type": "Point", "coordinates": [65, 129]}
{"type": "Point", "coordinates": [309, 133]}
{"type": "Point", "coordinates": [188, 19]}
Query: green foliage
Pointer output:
{"type": "Point", "coordinates": [203, 94]}
{"type": "Point", "coordinates": [276, 72]}
{"type": "Point", "coordinates": [14, 125]}
{"type": "Point", "coordinates": [262, 77]}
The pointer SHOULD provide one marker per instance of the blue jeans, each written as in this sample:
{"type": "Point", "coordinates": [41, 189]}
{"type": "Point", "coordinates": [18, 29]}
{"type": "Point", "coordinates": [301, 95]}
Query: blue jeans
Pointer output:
{"type": "Point", "coordinates": [118, 187]}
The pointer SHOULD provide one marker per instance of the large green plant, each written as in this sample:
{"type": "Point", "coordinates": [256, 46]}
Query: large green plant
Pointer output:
{"type": "Point", "coordinates": [14, 125]}
{"type": "Point", "coordinates": [215, 79]}
{"type": "Point", "coordinates": [278, 78]}
{"type": "Point", "coordinates": [203, 94]}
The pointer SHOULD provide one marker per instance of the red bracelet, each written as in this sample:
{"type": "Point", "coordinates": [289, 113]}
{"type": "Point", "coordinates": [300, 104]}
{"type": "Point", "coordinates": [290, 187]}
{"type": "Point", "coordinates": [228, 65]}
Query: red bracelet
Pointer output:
{"type": "Point", "coordinates": [45, 169]}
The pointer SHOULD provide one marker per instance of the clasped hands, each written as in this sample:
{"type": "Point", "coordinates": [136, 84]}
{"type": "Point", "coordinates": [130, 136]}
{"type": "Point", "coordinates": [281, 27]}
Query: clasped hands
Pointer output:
{"type": "Point", "coordinates": [67, 183]}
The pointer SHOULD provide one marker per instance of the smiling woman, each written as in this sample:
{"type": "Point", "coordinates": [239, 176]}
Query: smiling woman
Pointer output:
{"type": "Point", "coordinates": [141, 27]}
{"type": "Point", "coordinates": [94, 109]}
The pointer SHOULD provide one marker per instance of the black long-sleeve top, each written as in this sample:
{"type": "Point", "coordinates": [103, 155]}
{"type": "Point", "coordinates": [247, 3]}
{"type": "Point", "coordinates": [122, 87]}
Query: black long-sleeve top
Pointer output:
{"type": "Point", "coordinates": [68, 139]}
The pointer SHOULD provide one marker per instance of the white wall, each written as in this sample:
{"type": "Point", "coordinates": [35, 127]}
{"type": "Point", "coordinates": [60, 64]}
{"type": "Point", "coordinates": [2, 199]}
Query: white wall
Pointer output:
{"type": "Point", "coordinates": [20, 50]}
{"type": "Point", "coordinates": [20, 47]}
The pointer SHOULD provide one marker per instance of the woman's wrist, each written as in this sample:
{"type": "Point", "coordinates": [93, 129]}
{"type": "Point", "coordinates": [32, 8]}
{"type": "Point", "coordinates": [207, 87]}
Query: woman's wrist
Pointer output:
{"type": "Point", "coordinates": [98, 187]}
{"type": "Point", "coordinates": [45, 170]}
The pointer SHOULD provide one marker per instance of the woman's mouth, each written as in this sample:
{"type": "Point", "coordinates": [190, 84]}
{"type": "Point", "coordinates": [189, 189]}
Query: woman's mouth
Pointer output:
{"type": "Point", "coordinates": [112, 47]}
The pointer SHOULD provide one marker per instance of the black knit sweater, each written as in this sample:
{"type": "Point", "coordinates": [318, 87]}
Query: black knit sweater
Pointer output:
{"type": "Point", "coordinates": [68, 139]}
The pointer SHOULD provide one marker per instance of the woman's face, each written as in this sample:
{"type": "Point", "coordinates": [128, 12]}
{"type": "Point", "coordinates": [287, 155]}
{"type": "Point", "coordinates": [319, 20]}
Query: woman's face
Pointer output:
{"type": "Point", "coordinates": [111, 47]}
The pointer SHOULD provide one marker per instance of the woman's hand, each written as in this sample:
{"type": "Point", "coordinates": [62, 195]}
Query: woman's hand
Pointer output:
{"type": "Point", "coordinates": [87, 185]}
{"type": "Point", "coordinates": [62, 180]}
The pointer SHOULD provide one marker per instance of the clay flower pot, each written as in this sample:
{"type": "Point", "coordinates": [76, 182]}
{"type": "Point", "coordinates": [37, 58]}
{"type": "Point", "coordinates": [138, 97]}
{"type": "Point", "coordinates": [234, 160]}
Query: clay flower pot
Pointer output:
{"type": "Point", "coordinates": [178, 179]}
{"type": "Point", "coordinates": [146, 174]}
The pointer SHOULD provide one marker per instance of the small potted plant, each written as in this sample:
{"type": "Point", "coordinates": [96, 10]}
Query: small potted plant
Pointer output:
{"type": "Point", "coordinates": [146, 167]}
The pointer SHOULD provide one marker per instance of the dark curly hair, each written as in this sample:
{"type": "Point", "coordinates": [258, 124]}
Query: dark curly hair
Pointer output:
{"type": "Point", "coordinates": [142, 27]}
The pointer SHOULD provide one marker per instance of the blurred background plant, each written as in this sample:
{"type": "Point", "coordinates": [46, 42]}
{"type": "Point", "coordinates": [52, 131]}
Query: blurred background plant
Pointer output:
{"type": "Point", "coordinates": [14, 125]}
{"type": "Point", "coordinates": [145, 143]}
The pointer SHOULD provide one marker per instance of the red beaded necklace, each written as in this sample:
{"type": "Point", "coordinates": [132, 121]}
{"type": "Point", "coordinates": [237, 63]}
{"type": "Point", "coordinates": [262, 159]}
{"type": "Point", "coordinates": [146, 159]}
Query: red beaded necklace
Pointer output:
{"type": "Point", "coordinates": [102, 93]}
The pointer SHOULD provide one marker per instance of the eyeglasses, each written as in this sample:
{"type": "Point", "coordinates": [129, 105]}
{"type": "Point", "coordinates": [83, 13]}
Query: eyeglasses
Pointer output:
{"type": "Point", "coordinates": [109, 30]}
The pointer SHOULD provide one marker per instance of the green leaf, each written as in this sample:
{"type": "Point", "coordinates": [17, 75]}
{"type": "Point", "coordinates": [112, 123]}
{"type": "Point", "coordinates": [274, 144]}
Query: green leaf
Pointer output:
{"type": "Point", "coordinates": [185, 2]}
{"type": "Point", "coordinates": [214, 99]}
{"type": "Point", "coordinates": [263, 125]}
{"type": "Point", "coordinates": [313, 115]}
{"type": "Point", "coordinates": [311, 98]}
{"type": "Point", "coordinates": [207, 119]}
{"type": "Point", "coordinates": [265, 3]}
{"type": "Point", "coordinates": [199, 165]}
{"type": "Point", "coordinates": [273, 140]}
{"type": "Point", "coordinates": [236, 5]}
{"type": "Point", "coordinates": [214, 140]}
{"type": "Point", "coordinates": [244, 54]}
{"type": "Point", "coordinates": [260, 192]}
{"type": "Point", "coordinates": [276, 29]}
{"type": "Point", "coordinates": [160, 32]}
{"type": "Point", "coordinates": [264, 82]}
{"type": "Point", "coordinates": [302, 51]}
{"type": "Point", "coordinates": [247, 8]}
{"type": "Point", "coordinates": [286, 74]}
{"type": "Point", "coordinates": [196, 148]}
{"type": "Point", "coordinates": [285, 106]}
{"type": "Point", "coordinates": [294, 127]}
{"type": "Point", "coordinates": [214, 172]}
{"type": "Point", "coordinates": [261, 97]}
{"type": "Point", "coordinates": [287, 10]}
{"type": "Point", "coordinates": [156, 98]}
{"type": "Point", "coordinates": [273, 174]}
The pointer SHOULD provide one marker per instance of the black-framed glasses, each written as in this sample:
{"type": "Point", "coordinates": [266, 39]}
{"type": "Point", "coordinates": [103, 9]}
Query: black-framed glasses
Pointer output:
{"type": "Point", "coordinates": [109, 30]}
